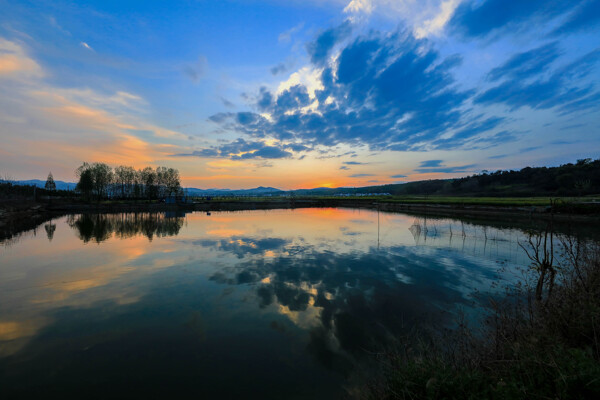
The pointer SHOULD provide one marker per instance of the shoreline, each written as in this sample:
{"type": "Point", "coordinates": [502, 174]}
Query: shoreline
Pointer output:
{"type": "Point", "coordinates": [512, 211]}
{"type": "Point", "coordinates": [21, 217]}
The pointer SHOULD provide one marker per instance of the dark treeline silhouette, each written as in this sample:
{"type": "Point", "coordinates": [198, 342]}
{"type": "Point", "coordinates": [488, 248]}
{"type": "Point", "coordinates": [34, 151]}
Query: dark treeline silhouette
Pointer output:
{"type": "Point", "coordinates": [577, 179]}
{"type": "Point", "coordinates": [13, 191]}
{"type": "Point", "coordinates": [100, 227]}
{"type": "Point", "coordinates": [100, 181]}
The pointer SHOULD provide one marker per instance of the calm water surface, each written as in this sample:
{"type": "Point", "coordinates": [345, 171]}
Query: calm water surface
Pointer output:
{"type": "Point", "coordinates": [262, 304]}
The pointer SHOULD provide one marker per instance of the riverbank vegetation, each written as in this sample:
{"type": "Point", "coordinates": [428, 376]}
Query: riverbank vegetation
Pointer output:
{"type": "Point", "coordinates": [568, 180]}
{"type": "Point", "coordinates": [541, 338]}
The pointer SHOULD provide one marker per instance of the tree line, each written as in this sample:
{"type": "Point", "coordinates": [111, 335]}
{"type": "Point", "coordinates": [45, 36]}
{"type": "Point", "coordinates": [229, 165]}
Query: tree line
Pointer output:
{"type": "Point", "coordinates": [573, 179]}
{"type": "Point", "coordinates": [101, 181]}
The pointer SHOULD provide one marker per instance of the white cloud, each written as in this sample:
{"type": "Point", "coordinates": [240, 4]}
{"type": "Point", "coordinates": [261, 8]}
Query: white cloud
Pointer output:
{"type": "Point", "coordinates": [435, 25]}
{"type": "Point", "coordinates": [425, 17]}
{"type": "Point", "coordinates": [359, 6]}
{"type": "Point", "coordinates": [307, 76]}
{"type": "Point", "coordinates": [85, 45]}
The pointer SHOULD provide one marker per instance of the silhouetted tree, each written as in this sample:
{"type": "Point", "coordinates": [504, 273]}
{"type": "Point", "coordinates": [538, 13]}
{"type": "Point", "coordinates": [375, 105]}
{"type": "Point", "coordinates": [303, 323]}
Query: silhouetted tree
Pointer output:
{"type": "Point", "coordinates": [150, 180]}
{"type": "Point", "coordinates": [103, 177]}
{"type": "Point", "coordinates": [50, 185]}
{"type": "Point", "coordinates": [168, 181]}
{"type": "Point", "coordinates": [99, 174]}
{"type": "Point", "coordinates": [86, 183]}
{"type": "Point", "coordinates": [125, 178]}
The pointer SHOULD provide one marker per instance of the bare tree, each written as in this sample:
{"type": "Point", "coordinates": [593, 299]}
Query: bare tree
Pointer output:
{"type": "Point", "coordinates": [86, 183]}
{"type": "Point", "coordinates": [540, 250]}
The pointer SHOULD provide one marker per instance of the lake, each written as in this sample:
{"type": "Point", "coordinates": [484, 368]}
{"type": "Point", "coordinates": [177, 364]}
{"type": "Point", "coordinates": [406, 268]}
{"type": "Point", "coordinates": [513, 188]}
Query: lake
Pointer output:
{"type": "Point", "coordinates": [263, 304]}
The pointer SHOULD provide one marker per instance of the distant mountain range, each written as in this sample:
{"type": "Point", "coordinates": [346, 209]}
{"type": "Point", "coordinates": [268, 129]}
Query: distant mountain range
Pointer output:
{"type": "Point", "coordinates": [60, 185]}
{"type": "Point", "coordinates": [269, 191]}
{"type": "Point", "coordinates": [259, 191]}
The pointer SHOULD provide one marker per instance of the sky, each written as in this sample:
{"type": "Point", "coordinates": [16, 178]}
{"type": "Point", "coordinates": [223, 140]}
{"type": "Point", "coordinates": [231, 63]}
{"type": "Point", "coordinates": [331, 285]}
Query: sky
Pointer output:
{"type": "Point", "coordinates": [298, 93]}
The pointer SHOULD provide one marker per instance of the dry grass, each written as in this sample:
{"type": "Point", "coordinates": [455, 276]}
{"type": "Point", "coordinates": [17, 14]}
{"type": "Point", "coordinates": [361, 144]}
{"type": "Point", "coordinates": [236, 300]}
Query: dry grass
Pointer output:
{"type": "Point", "coordinates": [530, 347]}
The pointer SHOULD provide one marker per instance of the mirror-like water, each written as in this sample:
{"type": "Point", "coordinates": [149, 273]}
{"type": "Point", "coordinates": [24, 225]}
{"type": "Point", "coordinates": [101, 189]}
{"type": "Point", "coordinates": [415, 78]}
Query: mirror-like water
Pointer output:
{"type": "Point", "coordinates": [269, 304]}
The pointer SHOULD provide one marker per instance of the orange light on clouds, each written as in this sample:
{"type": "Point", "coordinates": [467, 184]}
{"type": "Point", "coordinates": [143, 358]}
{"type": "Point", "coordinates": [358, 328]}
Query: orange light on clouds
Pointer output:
{"type": "Point", "coordinates": [225, 163]}
{"type": "Point", "coordinates": [122, 149]}
{"type": "Point", "coordinates": [14, 61]}
{"type": "Point", "coordinates": [11, 64]}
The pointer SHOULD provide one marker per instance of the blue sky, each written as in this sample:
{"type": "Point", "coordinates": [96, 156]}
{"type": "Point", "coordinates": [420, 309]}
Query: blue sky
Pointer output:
{"type": "Point", "coordinates": [241, 93]}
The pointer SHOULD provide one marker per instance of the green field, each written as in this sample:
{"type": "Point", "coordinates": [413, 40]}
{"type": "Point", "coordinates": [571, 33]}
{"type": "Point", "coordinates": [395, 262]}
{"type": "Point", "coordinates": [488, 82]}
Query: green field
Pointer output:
{"type": "Point", "coordinates": [481, 201]}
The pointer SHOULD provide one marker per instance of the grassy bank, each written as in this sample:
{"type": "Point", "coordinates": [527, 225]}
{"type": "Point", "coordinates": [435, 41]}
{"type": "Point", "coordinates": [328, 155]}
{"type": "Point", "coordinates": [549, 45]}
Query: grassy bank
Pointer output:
{"type": "Point", "coordinates": [538, 342]}
{"type": "Point", "coordinates": [588, 204]}
{"type": "Point", "coordinates": [467, 201]}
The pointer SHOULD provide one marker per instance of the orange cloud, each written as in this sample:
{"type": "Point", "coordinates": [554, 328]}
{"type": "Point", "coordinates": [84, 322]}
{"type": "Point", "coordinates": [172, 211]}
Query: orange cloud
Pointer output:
{"type": "Point", "coordinates": [14, 61]}
{"type": "Point", "coordinates": [119, 149]}
{"type": "Point", "coordinates": [80, 115]}
{"type": "Point", "coordinates": [225, 164]}
{"type": "Point", "coordinates": [10, 63]}
{"type": "Point", "coordinates": [76, 131]}
{"type": "Point", "coordinates": [71, 108]}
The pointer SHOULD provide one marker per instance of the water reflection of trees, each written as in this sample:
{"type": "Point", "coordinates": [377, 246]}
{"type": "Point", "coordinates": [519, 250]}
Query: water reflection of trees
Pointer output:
{"type": "Point", "coordinates": [100, 227]}
{"type": "Point", "coordinates": [50, 228]}
{"type": "Point", "coordinates": [469, 238]}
